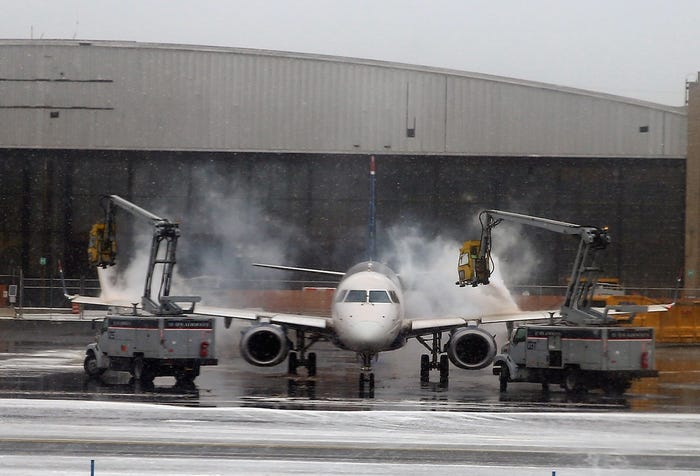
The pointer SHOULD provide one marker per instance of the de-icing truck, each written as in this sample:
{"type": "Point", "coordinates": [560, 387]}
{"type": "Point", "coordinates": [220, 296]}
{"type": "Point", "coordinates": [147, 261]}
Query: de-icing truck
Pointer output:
{"type": "Point", "coordinates": [151, 346]}
{"type": "Point", "coordinates": [581, 348]}
{"type": "Point", "coordinates": [577, 357]}
{"type": "Point", "coordinates": [161, 338]}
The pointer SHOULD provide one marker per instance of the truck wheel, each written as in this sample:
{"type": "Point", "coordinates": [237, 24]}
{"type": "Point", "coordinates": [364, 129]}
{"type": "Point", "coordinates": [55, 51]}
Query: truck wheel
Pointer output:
{"type": "Point", "coordinates": [503, 377]}
{"type": "Point", "coordinates": [572, 381]}
{"type": "Point", "coordinates": [90, 365]}
{"type": "Point", "coordinates": [141, 371]}
{"type": "Point", "coordinates": [616, 387]}
{"type": "Point", "coordinates": [185, 378]}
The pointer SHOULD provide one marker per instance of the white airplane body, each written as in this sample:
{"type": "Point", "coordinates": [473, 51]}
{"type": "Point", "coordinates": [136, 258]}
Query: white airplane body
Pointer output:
{"type": "Point", "coordinates": [367, 311]}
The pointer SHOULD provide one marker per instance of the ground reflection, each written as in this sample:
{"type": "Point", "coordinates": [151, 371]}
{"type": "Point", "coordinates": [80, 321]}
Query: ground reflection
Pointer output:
{"type": "Point", "coordinates": [34, 372]}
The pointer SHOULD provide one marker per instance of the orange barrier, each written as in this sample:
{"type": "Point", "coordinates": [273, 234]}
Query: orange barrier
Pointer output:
{"type": "Point", "coordinates": [314, 301]}
{"type": "Point", "coordinates": [679, 325]}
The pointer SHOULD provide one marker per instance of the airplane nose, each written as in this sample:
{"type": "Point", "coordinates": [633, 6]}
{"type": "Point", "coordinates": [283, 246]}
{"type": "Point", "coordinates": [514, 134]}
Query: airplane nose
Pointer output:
{"type": "Point", "coordinates": [367, 336]}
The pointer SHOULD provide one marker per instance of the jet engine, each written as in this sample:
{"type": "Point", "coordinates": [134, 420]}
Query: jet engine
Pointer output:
{"type": "Point", "coordinates": [471, 348]}
{"type": "Point", "coordinates": [264, 345]}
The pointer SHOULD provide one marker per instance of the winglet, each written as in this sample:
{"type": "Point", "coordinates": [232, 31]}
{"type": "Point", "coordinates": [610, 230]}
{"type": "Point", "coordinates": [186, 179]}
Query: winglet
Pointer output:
{"type": "Point", "coordinates": [63, 280]}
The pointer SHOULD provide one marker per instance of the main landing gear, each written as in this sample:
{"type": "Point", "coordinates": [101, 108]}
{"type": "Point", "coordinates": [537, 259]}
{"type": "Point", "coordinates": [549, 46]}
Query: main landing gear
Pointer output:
{"type": "Point", "coordinates": [436, 360]}
{"type": "Point", "coordinates": [298, 358]}
{"type": "Point", "coordinates": [366, 376]}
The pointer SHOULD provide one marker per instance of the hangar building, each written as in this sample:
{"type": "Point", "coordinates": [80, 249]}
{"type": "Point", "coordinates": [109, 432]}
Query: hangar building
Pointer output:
{"type": "Point", "coordinates": [281, 141]}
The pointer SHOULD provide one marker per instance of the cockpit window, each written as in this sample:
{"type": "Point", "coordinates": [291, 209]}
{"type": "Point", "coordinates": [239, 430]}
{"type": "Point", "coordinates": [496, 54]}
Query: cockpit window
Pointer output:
{"type": "Point", "coordinates": [379, 296]}
{"type": "Point", "coordinates": [394, 296]}
{"type": "Point", "coordinates": [341, 295]}
{"type": "Point", "coordinates": [356, 295]}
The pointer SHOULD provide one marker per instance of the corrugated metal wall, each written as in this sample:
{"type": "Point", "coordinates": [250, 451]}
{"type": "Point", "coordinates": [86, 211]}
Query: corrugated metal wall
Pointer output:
{"type": "Point", "coordinates": [105, 95]}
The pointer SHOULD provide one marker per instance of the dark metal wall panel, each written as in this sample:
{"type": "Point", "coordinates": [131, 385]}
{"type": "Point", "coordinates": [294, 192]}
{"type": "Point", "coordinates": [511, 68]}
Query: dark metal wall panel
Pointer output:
{"type": "Point", "coordinates": [311, 209]}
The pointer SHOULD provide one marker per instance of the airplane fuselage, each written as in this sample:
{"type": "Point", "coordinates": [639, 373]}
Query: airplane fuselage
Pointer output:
{"type": "Point", "coordinates": [367, 310]}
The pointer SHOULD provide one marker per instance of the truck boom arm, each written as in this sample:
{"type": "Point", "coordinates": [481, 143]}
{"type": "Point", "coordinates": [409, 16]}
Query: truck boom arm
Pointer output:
{"type": "Point", "coordinates": [584, 276]}
{"type": "Point", "coordinates": [103, 240]}
{"type": "Point", "coordinates": [116, 200]}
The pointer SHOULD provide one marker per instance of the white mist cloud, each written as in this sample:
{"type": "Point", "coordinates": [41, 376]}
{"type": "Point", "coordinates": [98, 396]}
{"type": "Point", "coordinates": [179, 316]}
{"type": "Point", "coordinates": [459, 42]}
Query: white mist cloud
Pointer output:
{"type": "Point", "coordinates": [125, 280]}
{"type": "Point", "coordinates": [223, 229]}
{"type": "Point", "coordinates": [519, 258]}
{"type": "Point", "coordinates": [428, 270]}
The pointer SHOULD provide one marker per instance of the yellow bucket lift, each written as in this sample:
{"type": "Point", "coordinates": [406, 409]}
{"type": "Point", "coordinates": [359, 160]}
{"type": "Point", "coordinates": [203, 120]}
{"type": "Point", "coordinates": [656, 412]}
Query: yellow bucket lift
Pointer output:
{"type": "Point", "coordinates": [102, 247]}
{"type": "Point", "coordinates": [469, 264]}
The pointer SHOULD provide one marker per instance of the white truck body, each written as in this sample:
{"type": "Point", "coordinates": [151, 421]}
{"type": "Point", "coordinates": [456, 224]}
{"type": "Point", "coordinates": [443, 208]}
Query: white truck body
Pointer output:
{"type": "Point", "coordinates": [577, 357]}
{"type": "Point", "coordinates": [151, 346]}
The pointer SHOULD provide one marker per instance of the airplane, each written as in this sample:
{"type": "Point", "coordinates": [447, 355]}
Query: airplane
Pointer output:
{"type": "Point", "coordinates": [367, 317]}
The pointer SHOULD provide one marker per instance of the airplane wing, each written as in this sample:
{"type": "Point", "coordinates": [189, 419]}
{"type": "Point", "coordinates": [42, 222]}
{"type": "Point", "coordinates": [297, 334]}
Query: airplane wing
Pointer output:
{"type": "Point", "coordinates": [660, 307]}
{"type": "Point", "coordinates": [294, 321]}
{"type": "Point", "coordinates": [555, 313]}
{"type": "Point", "coordinates": [99, 301]}
{"type": "Point", "coordinates": [626, 308]}
{"type": "Point", "coordinates": [419, 326]}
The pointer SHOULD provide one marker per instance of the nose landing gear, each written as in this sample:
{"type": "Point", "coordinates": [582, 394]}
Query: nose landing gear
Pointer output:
{"type": "Point", "coordinates": [366, 377]}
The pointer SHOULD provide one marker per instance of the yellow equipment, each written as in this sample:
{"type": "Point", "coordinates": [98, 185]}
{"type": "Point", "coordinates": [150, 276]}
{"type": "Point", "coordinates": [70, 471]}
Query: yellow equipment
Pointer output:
{"type": "Point", "coordinates": [469, 265]}
{"type": "Point", "coordinates": [102, 247]}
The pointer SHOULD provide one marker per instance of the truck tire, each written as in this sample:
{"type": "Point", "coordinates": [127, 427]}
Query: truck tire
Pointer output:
{"type": "Point", "coordinates": [141, 371]}
{"type": "Point", "coordinates": [90, 365]}
{"type": "Point", "coordinates": [572, 381]}
{"type": "Point", "coordinates": [616, 386]}
{"type": "Point", "coordinates": [503, 377]}
{"type": "Point", "coordinates": [185, 375]}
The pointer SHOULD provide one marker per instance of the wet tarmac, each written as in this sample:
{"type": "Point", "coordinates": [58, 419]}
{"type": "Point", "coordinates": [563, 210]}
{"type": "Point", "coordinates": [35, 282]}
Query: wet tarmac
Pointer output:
{"type": "Point", "coordinates": [55, 372]}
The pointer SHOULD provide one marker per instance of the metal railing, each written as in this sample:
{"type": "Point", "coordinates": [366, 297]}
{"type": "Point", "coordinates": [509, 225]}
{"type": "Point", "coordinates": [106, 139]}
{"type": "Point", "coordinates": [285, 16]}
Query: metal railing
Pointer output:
{"type": "Point", "coordinates": [41, 292]}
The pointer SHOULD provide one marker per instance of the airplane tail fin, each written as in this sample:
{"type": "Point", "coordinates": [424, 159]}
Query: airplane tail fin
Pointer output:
{"type": "Point", "coordinates": [372, 224]}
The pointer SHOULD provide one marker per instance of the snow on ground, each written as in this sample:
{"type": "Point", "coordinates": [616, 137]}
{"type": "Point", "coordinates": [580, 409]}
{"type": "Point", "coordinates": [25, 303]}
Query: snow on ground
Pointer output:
{"type": "Point", "coordinates": [129, 466]}
{"type": "Point", "coordinates": [31, 362]}
{"type": "Point", "coordinates": [145, 439]}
